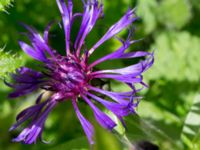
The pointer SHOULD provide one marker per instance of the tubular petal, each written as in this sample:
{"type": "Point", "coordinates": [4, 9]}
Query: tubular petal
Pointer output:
{"type": "Point", "coordinates": [66, 13]}
{"type": "Point", "coordinates": [124, 22]}
{"type": "Point", "coordinates": [87, 126]}
{"type": "Point", "coordinates": [103, 119]}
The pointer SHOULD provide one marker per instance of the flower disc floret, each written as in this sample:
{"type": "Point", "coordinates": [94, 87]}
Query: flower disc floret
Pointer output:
{"type": "Point", "coordinates": [66, 75]}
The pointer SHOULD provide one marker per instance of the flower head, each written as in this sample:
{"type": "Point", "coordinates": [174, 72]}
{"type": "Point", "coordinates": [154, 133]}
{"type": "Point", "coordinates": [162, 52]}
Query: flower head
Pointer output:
{"type": "Point", "coordinates": [70, 77]}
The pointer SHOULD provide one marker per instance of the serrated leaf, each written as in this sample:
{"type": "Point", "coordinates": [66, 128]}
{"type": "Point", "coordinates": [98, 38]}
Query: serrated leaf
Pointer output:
{"type": "Point", "coordinates": [176, 57]}
{"type": "Point", "coordinates": [9, 63]}
{"type": "Point", "coordinates": [5, 4]}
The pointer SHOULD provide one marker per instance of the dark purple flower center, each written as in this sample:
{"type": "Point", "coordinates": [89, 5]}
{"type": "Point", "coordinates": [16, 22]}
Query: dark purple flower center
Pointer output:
{"type": "Point", "coordinates": [66, 75]}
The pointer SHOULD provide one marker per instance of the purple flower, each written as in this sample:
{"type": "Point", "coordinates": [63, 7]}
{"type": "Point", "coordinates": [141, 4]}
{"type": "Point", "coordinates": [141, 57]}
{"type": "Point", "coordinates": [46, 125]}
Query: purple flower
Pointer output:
{"type": "Point", "coordinates": [70, 77]}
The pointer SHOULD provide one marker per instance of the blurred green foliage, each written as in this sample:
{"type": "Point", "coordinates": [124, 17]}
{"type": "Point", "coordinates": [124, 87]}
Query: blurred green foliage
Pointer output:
{"type": "Point", "coordinates": [4, 4]}
{"type": "Point", "coordinates": [169, 114]}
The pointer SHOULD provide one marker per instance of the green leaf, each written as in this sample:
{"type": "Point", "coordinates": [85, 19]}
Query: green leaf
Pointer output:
{"type": "Point", "coordinates": [176, 57]}
{"type": "Point", "coordinates": [195, 4]}
{"type": "Point", "coordinates": [146, 10]}
{"type": "Point", "coordinates": [191, 128]}
{"type": "Point", "coordinates": [174, 13]}
{"type": "Point", "coordinates": [105, 140]}
{"type": "Point", "coordinates": [143, 129]}
{"type": "Point", "coordinates": [76, 144]}
{"type": "Point", "coordinates": [9, 62]}
{"type": "Point", "coordinates": [5, 4]}
{"type": "Point", "coordinates": [170, 13]}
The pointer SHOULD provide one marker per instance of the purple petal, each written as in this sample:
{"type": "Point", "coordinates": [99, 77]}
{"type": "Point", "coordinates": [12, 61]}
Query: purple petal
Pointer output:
{"type": "Point", "coordinates": [118, 109]}
{"type": "Point", "coordinates": [135, 70]}
{"type": "Point", "coordinates": [131, 74]}
{"type": "Point", "coordinates": [30, 134]}
{"type": "Point", "coordinates": [25, 81]}
{"type": "Point", "coordinates": [113, 55]}
{"type": "Point", "coordinates": [21, 90]}
{"type": "Point", "coordinates": [103, 119]}
{"type": "Point", "coordinates": [38, 43]}
{"type": "Point", "coordinates": [38, 55]}
{"type": "Point", "coordinates": [120, 97]}
{"type": "Point", "coordinates": [87, 126]}
{"type": "Point", "coordinates": [30, 112]}
{"type": "Point", "coordinates": [26, 75]}
{"type": "Point", "coordinates": [134, 54]}
{"type": "Point", "coordinates": [124, 22]}
{"type": "Point", "coordinates": [92, 11]}
{"type": "Point", "coordinates": [119, 54]}
{"type": "Point", "coordinates": [66, 13]}
{"type": "Point", "coordinates": [46, 31]}
{"type": "Point", "coordinates": [122, 78]}
{"type": "Point", "coordinates": [149, 61]}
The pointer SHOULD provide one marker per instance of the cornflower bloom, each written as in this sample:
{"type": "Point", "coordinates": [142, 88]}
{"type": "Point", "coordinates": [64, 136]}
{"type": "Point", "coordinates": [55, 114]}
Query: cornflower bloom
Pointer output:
{"type": "Point", "coordinates": [69, 77]}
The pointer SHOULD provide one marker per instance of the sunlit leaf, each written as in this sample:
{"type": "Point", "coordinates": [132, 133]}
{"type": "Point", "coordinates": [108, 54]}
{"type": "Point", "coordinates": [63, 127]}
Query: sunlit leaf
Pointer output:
{"type": "Point", "coordinates": [174, 13]}
{"type": "Point", "coordinates": [4, 4]}
{"type": "Point", "coordinates": [191, 128]}
{"type": "Point", "coordinates": [9, 62]}
{"type": "Point", "coordinates": [142, 129]}
{"type": "Point", "coordinates": [147, 11]}
{"type": "Point", "coordinates": [176, 57]}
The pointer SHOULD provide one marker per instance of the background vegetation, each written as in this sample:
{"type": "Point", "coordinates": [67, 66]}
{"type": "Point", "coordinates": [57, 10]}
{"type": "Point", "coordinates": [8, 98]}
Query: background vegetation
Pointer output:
{"type": "Point", "coordinates": [169, 114]}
